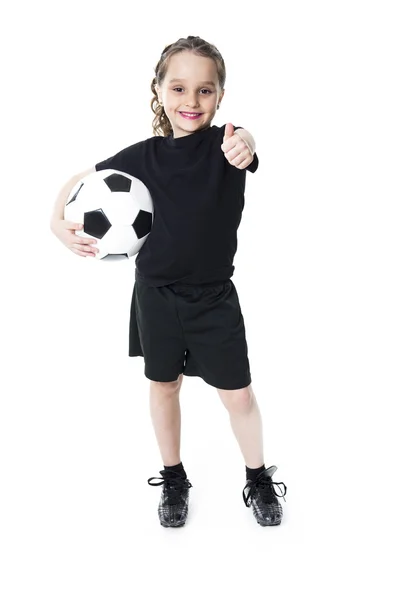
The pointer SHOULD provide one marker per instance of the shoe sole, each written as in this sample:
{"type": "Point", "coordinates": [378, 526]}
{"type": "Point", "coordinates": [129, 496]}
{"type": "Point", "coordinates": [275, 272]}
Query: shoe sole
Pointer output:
{"type": "Point", "coordinates": [167, 525]}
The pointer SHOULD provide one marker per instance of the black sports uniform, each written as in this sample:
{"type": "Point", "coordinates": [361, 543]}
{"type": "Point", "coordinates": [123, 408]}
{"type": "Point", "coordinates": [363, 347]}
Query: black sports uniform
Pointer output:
{"type": "Point", "coordinates": [185, 312]}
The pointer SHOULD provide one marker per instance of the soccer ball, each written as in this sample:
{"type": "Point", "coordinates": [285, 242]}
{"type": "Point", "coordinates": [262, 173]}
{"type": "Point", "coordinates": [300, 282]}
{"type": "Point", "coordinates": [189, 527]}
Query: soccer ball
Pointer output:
{"type": "Point", "coordinates": [115, 208]}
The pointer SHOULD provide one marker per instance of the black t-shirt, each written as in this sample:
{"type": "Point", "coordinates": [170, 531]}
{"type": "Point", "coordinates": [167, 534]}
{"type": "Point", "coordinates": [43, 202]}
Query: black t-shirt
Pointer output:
{"type": "Point", "coordinates": [198, 201]}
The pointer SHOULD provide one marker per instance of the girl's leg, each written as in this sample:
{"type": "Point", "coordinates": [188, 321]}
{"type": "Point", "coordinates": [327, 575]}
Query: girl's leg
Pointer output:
{"type": "Point", "coordinates": [165, 412]}
{"type": "Point", "coordinates": [246, 423]}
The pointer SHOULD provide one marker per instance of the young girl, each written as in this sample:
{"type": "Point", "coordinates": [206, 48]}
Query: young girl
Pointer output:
{"type": "Point", "coordinates": [185, 314]}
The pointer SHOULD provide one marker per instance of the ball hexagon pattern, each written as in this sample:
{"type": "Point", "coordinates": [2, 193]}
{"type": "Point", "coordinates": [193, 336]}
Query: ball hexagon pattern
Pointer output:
{"type": "Point", "coordinates": [115, 208]}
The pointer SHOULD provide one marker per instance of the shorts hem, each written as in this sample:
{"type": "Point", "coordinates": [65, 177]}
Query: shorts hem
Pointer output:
{"type": "Point", "coordinates": [235, 386]}
{"type": "Point", "coordinates": [163, 379]}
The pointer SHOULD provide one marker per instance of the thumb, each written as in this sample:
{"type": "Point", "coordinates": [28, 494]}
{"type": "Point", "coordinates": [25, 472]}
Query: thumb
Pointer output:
{"type": "Point", "coordinates": [229, 131]}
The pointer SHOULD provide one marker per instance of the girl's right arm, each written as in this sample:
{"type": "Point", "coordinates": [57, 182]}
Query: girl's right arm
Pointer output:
{"type": "Point", "coordinates": [65, 230]}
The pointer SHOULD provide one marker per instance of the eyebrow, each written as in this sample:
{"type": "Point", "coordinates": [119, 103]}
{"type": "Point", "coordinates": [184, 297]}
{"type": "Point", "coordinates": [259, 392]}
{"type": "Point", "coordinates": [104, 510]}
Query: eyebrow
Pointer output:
{"type": "Point", "coordinates": [201, 82]}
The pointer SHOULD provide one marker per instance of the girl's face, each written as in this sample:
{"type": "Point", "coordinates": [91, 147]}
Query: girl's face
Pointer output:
{"type": "Point", "coordinates": [190, 86]}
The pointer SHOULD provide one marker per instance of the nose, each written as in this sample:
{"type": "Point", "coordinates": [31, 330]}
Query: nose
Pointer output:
{"type": "Point", "coordinates": [192, 101]}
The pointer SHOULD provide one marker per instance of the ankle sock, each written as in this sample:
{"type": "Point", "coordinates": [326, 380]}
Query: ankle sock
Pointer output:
{"type": "Point", "coordinates": [252, 474]}
{"type": "Point", "coordinates": [177, 469]}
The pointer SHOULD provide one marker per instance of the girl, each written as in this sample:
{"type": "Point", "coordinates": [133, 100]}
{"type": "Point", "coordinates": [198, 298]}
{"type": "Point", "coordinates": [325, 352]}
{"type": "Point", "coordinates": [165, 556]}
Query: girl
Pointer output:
{"type": "Point", "coordinates": [185, 313]}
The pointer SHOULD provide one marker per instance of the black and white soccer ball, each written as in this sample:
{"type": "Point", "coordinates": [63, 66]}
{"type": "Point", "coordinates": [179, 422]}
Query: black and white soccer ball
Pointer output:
{"type": "Point", "coordinates": [115, 208]}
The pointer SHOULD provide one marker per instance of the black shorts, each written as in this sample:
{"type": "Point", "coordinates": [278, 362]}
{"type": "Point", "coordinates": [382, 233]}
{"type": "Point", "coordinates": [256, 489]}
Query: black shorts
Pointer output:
{"type": "Point", "coordinates": [197, 330]}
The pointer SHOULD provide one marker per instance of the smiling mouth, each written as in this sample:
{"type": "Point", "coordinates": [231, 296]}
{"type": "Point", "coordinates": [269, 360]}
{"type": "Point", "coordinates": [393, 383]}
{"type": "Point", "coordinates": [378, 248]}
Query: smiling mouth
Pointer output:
{"type": "Point", "coordinates": [187, 115]}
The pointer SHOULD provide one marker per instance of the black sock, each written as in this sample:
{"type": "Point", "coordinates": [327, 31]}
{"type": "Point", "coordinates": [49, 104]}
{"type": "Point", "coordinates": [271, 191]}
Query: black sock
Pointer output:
{"type": "Point", "coordinates": [253, 473]}
{"type": "Point", "coordinates": [177, 469]}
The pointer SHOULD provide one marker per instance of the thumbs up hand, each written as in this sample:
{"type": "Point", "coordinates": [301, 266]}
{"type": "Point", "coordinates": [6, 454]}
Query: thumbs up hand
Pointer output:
{"type": "Point", "coordinates": [236, 148]}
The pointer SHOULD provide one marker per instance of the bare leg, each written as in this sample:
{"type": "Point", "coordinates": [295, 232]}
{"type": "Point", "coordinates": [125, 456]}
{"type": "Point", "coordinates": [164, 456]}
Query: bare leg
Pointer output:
{"type": "Point", "coordinates": [246, 423]}
{"type": "Point", "coordinates": [165, 412]}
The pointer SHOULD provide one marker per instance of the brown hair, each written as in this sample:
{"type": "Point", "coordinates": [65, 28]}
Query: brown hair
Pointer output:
{"type": "Point", "coordinates": [161, 124]}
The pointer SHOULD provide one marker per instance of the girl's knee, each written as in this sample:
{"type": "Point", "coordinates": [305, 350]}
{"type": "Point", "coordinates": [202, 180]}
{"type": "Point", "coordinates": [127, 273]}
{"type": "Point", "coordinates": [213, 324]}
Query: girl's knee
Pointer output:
{"type": "Point", "coordinates": [167, 386]}
{"type": "Point", "coordinates": [237, 400]}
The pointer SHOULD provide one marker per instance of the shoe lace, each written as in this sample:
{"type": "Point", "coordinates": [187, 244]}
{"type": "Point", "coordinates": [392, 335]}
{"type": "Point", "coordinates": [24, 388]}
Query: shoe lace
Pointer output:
{"type": "Point", "coordinates": [263, 485]}
{"type": "Point", "coordinates": [174, 484]}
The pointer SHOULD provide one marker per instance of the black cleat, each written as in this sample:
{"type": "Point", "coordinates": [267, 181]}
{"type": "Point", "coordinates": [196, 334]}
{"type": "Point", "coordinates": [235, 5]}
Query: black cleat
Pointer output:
{"type": "Point", "coordinates": [262, 497]}
{"type": "Point", "coordinates": [174, 503]}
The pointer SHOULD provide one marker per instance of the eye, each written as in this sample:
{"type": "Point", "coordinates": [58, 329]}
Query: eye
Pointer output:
{"type": "Point", "coordinates": [205, 89]}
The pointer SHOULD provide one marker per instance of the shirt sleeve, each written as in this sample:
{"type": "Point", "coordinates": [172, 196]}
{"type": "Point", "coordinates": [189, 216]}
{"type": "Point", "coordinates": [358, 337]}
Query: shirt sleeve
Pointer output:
{"type": "Point", "coordinates": [127, 160]}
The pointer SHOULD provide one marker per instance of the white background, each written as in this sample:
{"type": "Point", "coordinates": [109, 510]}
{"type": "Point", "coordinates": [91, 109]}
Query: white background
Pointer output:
{"type": "Point", "coordinates": [317, 272]}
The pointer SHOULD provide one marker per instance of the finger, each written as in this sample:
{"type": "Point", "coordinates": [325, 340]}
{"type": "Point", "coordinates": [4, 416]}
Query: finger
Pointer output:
{"type": "Point", "coordinates": [232, 154]}
{"type": "Point", "coordinates": [90, 247]}
{"type": "Point", "coordinates": [85, 250]}
{"type": "Point", "coordinates": [229, 131]}
{"type": "Point", "coordinates": [239, 149]}
{"type": "Point", "coordinates": [73, 225]}
{"type": "Point", "coordinates": [240, 160]}
{"type": "Point", "coordinates": [234, 142]}
{"type": "Point", "coordinates": [87, 245]}
{"type": "Point", "coordinates": [245, 163]}
{"type": "Point", "coordinates": [83, 240]}
{"type": "Point", "coordinates": [79, 253]}
{"type": "Point", "coordinates": [230, 143]}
